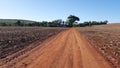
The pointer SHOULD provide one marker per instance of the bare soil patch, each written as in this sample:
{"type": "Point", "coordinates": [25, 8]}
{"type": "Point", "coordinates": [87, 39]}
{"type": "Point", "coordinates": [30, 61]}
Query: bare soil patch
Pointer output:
{"type": "Point", "coordinates": [18, 39]}
{"type": "Point", "coordinates": [106, 39]}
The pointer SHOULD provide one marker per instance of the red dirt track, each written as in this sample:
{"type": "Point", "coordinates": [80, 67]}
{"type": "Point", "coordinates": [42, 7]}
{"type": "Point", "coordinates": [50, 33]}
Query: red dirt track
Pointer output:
{"type": "Point", "coordinates": [68, 49]}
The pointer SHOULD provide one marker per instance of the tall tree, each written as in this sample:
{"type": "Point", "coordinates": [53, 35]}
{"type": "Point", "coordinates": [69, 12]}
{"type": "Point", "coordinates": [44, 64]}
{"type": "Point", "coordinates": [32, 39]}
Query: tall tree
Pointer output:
{"type": "Point", "coordinates": [72, 19]}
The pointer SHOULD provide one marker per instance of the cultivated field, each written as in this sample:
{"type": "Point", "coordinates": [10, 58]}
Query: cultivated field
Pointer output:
{"type": "Point", "coordinates": [15, 39]}
{"type": "Point", "coordinates": [106, 39]}
{"type": "Point", "coordinates": [83, 47]}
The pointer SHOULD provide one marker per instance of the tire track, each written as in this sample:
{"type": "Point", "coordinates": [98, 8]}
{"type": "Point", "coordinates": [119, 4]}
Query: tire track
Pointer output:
{"type": "Point", "coordinates": [68, 49]}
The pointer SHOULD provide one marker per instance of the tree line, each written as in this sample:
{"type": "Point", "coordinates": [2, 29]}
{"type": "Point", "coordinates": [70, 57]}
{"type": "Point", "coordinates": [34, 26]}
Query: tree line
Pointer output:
{"type": "Point", "coordinates": [70, 22]}
{"type": "Point", "coordinates": [90, 23]}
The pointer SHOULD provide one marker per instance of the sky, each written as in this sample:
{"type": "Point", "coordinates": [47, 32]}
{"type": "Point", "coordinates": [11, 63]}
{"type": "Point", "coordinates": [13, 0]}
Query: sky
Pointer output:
{"type": "Point", "coordinates": [48, 10]}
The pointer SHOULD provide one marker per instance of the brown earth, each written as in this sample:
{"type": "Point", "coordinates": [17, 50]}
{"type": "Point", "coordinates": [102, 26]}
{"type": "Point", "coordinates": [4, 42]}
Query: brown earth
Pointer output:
{"type": "Point", "coordinates": [68, 49]}
{"type": "Point", "coordinates": [106, 39]}
{"type": "Point", "coordinates": [14, 39]}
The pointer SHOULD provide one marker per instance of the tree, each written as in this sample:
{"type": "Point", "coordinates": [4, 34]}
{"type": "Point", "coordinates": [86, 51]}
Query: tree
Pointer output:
{"type": "Point", "coordinates": [44, 24]}
{"type": "Point", "coordinates": [35, 24]}
{"type": "Point", "coordinates": [105, 22]}
{"type": "Point", "coordinates": [3, 24]}
{"type": "Point", "coordinates": [56, 23]}
{"type": "Point", "coordinates": [19, 23]}
{"type": "Point", "coordinates": [71, 20]}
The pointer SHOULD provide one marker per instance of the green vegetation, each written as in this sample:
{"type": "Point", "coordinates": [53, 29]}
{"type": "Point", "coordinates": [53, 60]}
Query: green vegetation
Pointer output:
{"type": "Point", "coordinates": [90, 23]}
{"type": "Point", "coordinates": [71, 22]}
{"type": "Point", "coordinates": [3, 24]}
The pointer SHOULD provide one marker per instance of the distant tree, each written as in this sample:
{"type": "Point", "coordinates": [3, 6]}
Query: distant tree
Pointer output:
{"type": "Point", "coordinates": [82, 25]}
{"type": "Point", "coordinates": [29, 24]}
{"type": "Point", "coordinates": [90, 23]}
{"type": "Point", "coordinates": [56, 23]}
{"type": "Point", "coordinates": [95, 23]}
{"type": "Point", "coordinates": [19, 23]}
{"type": "Point", "coordinates": [63, 23]}
{"type": "Point", "coordinates": [86, 23]}
{"type": "Point", "coordinates": [3, 24]}
{"type": "Point", "coordinates": [35, 24]}
{"type": "Point", "coordinates": [105, 22]}
{"type": "Point", "coordinates": [72, 19]}
{"type": "Point", "coordinates": [9, 24]}
{"type": "Point", "coordinates": [44, 24]}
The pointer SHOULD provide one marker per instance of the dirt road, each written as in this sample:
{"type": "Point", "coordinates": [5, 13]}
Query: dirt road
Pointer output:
{"type": "Point", "coordinates": [68, 49]}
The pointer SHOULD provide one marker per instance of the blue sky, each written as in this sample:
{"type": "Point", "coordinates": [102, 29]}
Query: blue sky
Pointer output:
{"type": "Point", "coordinates": [48, 10]}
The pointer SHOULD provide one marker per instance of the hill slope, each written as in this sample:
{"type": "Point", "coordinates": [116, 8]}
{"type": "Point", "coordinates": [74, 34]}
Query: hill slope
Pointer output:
{"type": "Point", "coordinates": [15, 20]}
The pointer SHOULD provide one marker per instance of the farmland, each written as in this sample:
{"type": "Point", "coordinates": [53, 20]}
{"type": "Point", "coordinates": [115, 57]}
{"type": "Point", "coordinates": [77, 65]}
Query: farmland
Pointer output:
{"type": "Point", "coordinates": [14, 39]}
{"type": "Point", "coordinates": [106, 39]}
{"type": "Point", "coordinates": [46, 47]}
